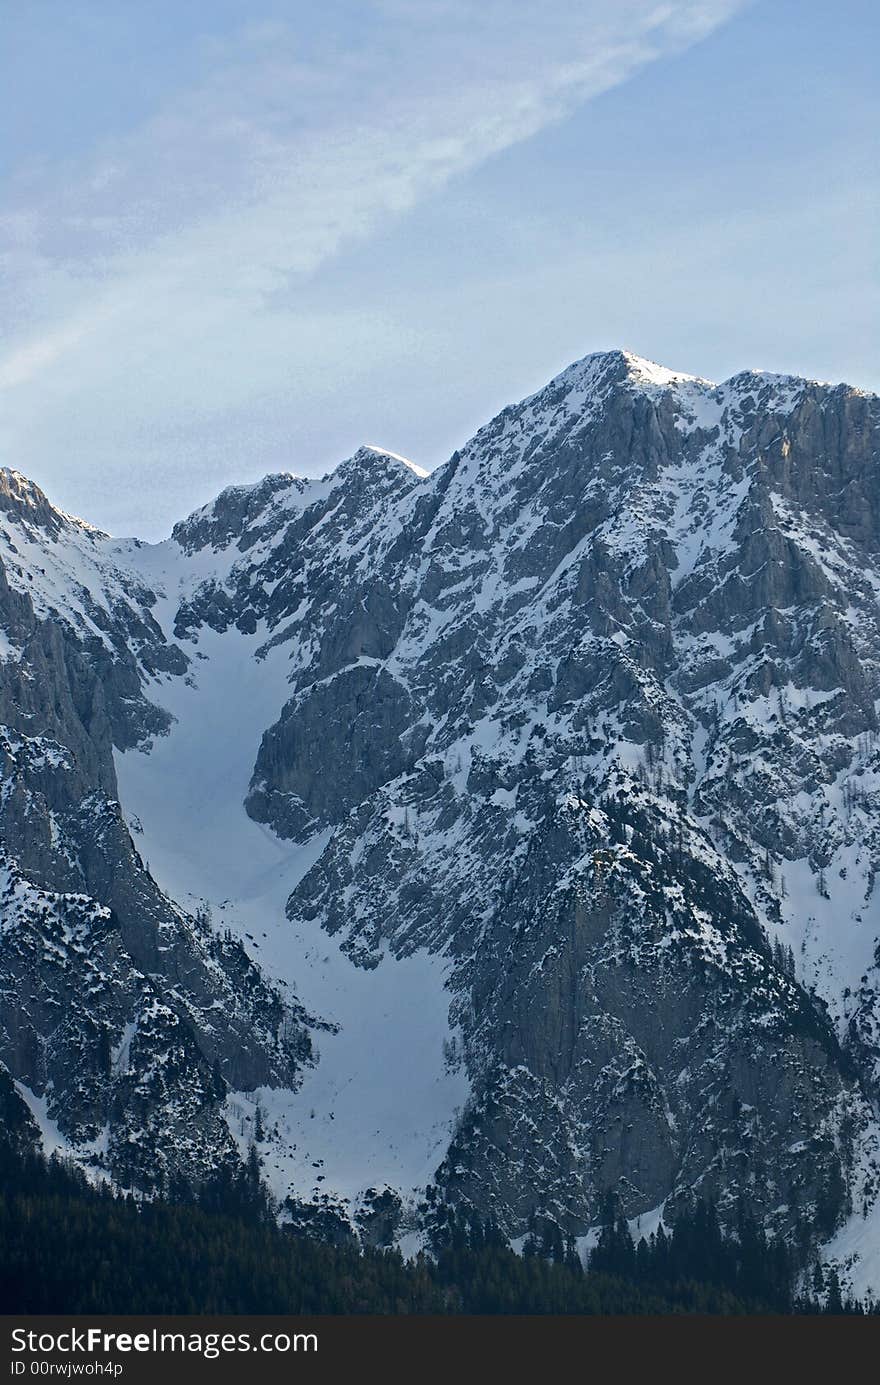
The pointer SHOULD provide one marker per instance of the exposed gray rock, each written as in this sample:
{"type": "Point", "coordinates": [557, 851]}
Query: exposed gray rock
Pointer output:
{"type": "Point", "coordinates": [121, 1011]}
{"type": "Point", "coordinates": [591, 711]}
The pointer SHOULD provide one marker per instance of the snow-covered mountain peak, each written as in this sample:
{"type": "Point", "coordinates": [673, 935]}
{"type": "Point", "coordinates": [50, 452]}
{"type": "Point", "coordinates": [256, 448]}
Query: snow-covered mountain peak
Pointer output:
{"type": "Point", "coordinates": [386, 453]}
{"type": "Point", "coordinates": [581, 727]}
{"type": "Point", "coordinates": [564, 410]}
{"type": "Point", "coordinates": [243, 515]}
{"type": "Point", "coordinates": [753, 378]}
{"type": "Point", "coordinates": [223, 520]}
{"type": "Point", "coordinates": [575, 395]}
{"type": "Point", "coordinates": [646, 372]}
{"type": "Point", "coordinates": [618, 366]}
{"type": "Point", "coordinates": [23, 501]}
{"type": "Point", "coordinates": [376, 466]}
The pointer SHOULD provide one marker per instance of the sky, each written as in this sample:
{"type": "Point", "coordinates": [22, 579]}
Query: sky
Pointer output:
{"type": "Point", "coordinates": [240, 237]}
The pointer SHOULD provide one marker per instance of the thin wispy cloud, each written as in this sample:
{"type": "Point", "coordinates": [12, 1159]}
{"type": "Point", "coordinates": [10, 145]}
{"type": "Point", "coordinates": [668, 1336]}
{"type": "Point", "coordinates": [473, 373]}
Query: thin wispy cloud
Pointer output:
{"type": "Point", "coordinates": [158, 270]}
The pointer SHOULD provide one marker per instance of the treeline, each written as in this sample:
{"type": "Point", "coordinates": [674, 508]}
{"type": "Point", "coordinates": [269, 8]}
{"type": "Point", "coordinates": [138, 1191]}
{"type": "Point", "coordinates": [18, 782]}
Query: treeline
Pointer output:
{"type": "Point", "coordinates": [693, 1268]}
{"type": "Point", "coordinates": [68, 1247]}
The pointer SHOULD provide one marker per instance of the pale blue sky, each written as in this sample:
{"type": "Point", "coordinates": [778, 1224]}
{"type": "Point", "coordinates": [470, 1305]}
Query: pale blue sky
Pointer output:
{"type": "Point", "coordinates": [238, 237]}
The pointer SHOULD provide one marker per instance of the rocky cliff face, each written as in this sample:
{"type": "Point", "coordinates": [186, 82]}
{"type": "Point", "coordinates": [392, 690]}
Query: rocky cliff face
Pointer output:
{"type": "Point", "coordinates": [586, 716]}
{"type": "Point", "coordinates": [123, 1017]}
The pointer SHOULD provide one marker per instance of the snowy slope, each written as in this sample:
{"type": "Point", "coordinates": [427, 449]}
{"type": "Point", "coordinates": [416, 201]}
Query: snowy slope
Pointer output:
{"type": "Point", "coordinates": [379, 1106]}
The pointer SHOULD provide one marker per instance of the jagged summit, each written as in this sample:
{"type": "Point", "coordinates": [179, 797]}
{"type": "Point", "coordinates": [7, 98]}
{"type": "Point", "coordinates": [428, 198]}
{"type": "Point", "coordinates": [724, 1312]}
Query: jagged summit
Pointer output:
{"type": "Point", "coordinates": [24, 501]}
{"type": "Point", "coordinates": [617, 366]}
{"type": "Point", "coordinates": [372, 461]}
{"type": "Point", "coordinates": [238, 509]}
{"type": "Point", "coordinates": [601, 369]}
{"type": "Point", "coordinates": [652, 373]}
{"type": "Point", "coordinates": [224, 519]}
{"type": "Point", "coordinates": [569, 398]}
{"type": "Point", "coordinates": [395, 457]}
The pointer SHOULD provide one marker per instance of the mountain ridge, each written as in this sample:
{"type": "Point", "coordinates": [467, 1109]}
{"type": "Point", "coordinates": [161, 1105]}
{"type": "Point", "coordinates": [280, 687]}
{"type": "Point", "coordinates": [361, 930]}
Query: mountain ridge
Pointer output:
{"type": "Point", "coordinates": [593, 702]}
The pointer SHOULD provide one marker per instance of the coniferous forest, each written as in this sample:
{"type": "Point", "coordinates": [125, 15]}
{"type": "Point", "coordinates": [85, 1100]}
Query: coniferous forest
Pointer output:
{"type": "Point", "coordinates": [66, 1246]}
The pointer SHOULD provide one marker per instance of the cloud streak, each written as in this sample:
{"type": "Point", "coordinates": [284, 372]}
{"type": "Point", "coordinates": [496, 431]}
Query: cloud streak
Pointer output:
{"type": "Point", "coordinates": [160, 272]}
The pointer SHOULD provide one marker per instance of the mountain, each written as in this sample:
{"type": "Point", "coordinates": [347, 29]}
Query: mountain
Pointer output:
{"type": "Point", "coordinates": [501, 837]}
